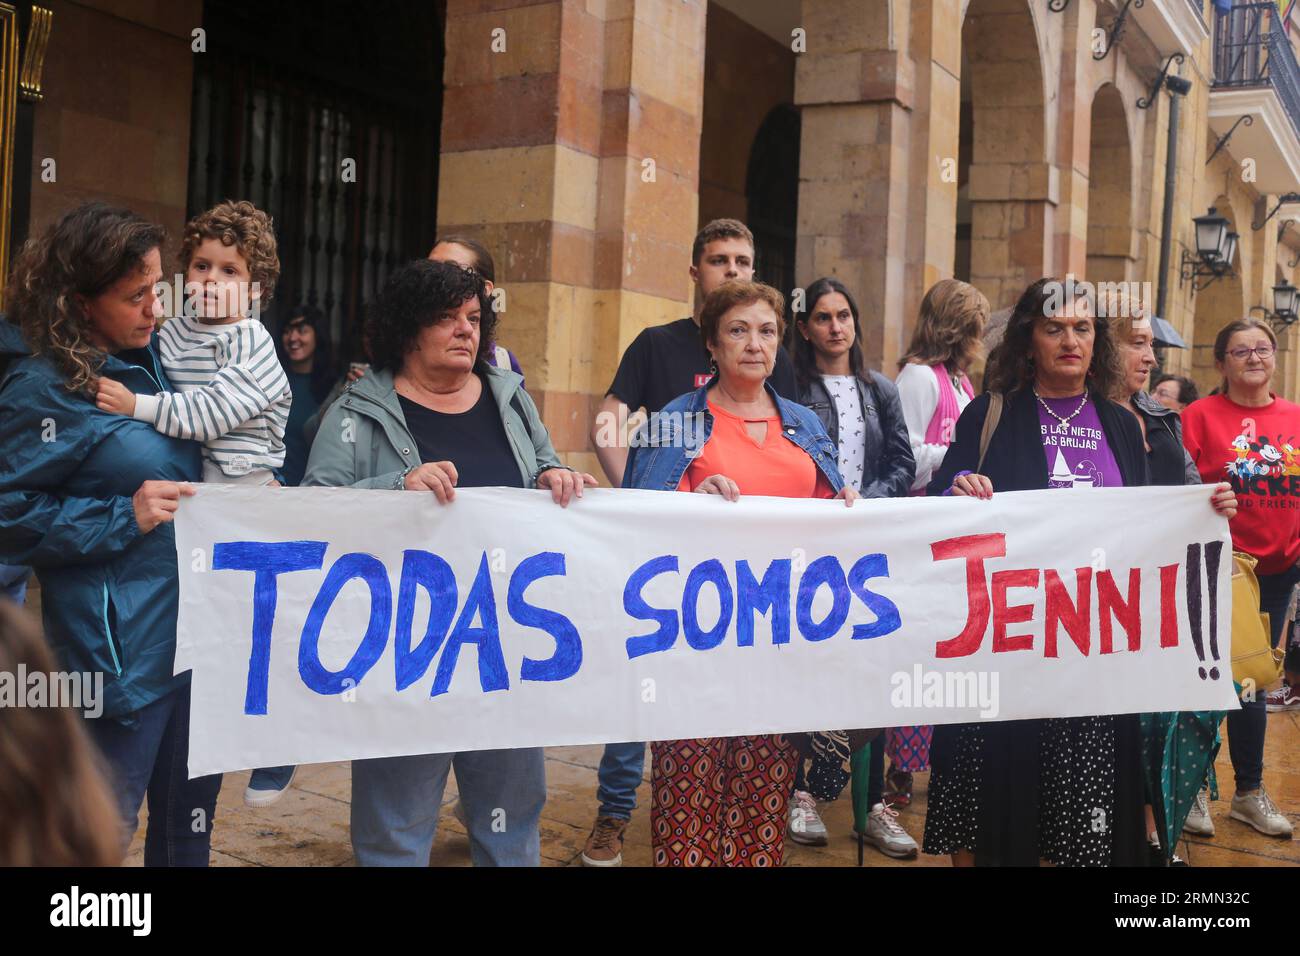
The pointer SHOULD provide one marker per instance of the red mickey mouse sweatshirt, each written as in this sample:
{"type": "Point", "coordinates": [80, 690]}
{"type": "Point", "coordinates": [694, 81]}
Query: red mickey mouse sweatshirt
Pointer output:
{"type": "Point", "coordinates": [1257, 450]}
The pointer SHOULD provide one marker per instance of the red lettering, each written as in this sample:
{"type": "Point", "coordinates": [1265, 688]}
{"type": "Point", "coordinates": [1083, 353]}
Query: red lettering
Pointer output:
{"type": "Point", "coordinates": [1169, 605]}
{"type": "Point", "coordinates": [1075, 615]}
{"type": "Point", "coordinates": [1128, 613]}
{"type": "Point", "coordinates": [1017, 614]}
{"type": "Point", "coordinates": [974, 549]}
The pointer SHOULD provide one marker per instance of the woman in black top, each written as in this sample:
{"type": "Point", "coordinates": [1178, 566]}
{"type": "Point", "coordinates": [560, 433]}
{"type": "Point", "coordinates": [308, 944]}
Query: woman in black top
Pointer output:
{"type": "Point", "coordinates": [1180, 748]}
{"type": "Point", "coordinates": [434, 416]}
{"type": "Point", "coordinates": [1023, 791]}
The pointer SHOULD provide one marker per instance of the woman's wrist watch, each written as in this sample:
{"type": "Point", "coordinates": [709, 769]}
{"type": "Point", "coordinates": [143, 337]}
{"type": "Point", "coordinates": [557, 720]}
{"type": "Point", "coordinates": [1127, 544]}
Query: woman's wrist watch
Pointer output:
{"type": "Point", "coordinates": [400, 483]}
{"type": "Point", "coordinates": [544, 469]}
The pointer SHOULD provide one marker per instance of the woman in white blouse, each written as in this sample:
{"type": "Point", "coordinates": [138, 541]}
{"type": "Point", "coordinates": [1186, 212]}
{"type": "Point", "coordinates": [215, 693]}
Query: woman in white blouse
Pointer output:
{"type": "Point", "coordinates": [933, 389]}
{"type": "Point", "coordinates": [932, 382]}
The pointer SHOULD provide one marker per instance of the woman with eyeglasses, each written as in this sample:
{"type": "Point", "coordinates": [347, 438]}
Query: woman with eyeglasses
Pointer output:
{"type": "Point", "coordinates": [1248, 436]}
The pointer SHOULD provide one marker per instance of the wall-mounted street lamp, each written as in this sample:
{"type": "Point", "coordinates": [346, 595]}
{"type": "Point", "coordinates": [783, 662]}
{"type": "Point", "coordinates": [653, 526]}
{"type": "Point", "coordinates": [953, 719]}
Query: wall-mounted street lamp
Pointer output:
{"type": "Point", "coordinates": [1286, 306]}
{"type": "Point", "coordinates": [1216, 250]}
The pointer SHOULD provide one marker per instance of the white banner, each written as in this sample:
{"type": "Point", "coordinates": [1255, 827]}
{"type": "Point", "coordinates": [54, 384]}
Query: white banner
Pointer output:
{"type": "Point", "coordinates": [335, 624]}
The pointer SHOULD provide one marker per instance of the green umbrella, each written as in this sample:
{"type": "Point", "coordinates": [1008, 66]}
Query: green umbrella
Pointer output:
{"type": "Point", "coordinates": [860, 770]}
{"type": "Point", "coordinates": [1178, 751]}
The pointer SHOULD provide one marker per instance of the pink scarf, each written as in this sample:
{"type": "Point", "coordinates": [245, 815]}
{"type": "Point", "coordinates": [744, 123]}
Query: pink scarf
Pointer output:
{"type": "Point", "coordinates": [944, 423]}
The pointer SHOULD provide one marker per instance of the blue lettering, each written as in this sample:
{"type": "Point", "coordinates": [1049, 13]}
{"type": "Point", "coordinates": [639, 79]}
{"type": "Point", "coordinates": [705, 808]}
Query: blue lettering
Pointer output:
{"type": "Point", "coordinates": [827, 571]}
{"type": "Point", "coordinates": [266, 560]}
{"type": "Point", "coordinates": [421, 569]}
{"type": "Point", "coordinates": [315, 674]}
{"type": "Point", "coordinates": [773, 594]}
{"type": "Point", "coordinates": [666, 634]}
{"type": "Point", "coordinates": [706, 572]}
{"type": "Point", "coordinates": [491, 662]}
{"type": "Point", "coordinates": [567, 658]}
{"type": "Point", "coordinates": [886, 611]}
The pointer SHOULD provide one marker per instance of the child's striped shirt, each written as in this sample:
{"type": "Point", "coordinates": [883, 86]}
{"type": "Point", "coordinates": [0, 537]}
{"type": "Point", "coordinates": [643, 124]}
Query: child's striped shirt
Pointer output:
{"type": "Point", "coordinates": [233, 395]}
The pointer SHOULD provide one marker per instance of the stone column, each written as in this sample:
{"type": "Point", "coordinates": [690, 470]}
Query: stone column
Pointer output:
{"type": "Point", "coordinates": [854, 85]}
{"type": "Point", "coordinates": [570, 147]}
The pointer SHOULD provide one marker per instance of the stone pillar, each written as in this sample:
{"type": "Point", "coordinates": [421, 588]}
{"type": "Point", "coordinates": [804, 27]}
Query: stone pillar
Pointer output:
{"type": "Point", "coordinates": [855, 87]}
{"type": "Point", "coordinates": [573, 154]}
{"type": "Point", "coordinates": [1014, 188]}
{"type": "Point", "coordinates": [1074, 133]}
{"type": "Point", "coordinates": [932, 190]}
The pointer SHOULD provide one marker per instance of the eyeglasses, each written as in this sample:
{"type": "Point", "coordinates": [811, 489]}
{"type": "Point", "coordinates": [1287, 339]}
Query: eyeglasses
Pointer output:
{"type": "Point", "coordinates": [1241, 355]}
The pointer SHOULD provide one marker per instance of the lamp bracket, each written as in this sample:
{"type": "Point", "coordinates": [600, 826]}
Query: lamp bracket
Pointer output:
{"type": "Point", "coordinates": [1223, 140]}
{"type": "Point", "coordinates": [1201, 273]}
{"type": "Point", "coordinates": [1145, 102]}
{"type": "Point", "coordinates": [1282, 200]}
{"type": "Point", "coordinates": [1116, 32]}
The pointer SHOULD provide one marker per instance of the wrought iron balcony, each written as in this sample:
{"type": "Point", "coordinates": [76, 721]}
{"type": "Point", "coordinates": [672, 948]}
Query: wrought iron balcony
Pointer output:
{"type": "Point", "coordinates": [1251, 50]}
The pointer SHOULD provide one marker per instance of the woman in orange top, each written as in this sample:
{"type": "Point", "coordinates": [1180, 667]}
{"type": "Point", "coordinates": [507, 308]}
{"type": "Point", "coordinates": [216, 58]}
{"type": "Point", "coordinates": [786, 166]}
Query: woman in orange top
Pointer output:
{"type": "Point", "coordinates": [755, 443]}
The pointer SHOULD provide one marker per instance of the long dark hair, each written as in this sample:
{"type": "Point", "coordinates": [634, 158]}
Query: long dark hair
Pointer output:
{"type": "Point", "coordinates": [805, 357]}
{"type": "Point", "coordinates": [1010, 366]}
{"type": "Point", "coordinates": [323, 370]}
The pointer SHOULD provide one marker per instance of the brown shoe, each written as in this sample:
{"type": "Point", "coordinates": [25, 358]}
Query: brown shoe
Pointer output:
{"type": "Point", "coordinates": [605, 845]}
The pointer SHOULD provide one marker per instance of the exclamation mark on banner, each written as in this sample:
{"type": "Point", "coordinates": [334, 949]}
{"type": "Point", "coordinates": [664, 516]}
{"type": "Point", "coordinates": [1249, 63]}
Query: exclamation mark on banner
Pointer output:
{"type": "Point", "coordinates": [1194, 603]}
{"type": "Point", "coordinates": [1213, 552]}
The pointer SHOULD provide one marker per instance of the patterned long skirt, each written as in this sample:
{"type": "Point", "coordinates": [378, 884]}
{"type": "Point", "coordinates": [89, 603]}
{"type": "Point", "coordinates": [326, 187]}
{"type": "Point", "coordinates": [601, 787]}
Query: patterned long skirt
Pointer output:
{"type": "Point", "coordinates": [908, 748]}
{"type": "Point", "coordinates": [720, 801]}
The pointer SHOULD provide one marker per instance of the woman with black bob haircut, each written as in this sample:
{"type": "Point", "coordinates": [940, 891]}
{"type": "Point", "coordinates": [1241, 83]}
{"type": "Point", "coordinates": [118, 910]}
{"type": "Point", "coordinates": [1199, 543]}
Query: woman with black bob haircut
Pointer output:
{"type": "Point", "coordinates": [433, 416]}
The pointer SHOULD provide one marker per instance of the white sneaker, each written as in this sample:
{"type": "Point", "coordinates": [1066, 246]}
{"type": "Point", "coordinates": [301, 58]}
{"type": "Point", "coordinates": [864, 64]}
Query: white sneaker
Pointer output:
{"type": "Point", "coordinates": [806, 826]}
{"type": "Point", "coordinates": [1259, 811]}
{"type": "Point", "coordinates": [887, 836]}
{"type": "Point", "coordinates": [1198, 820]}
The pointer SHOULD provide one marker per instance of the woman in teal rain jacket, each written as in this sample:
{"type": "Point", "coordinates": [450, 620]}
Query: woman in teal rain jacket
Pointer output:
{"type": "Point", "coordinates": [86, 499]}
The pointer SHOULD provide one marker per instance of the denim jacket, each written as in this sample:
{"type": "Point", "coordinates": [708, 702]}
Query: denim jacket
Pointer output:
{"type": "Point", "coordinates": [664, 447]}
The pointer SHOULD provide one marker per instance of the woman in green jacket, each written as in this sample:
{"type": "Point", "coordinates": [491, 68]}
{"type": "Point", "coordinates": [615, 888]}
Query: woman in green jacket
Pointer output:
{"type": "Point", "coordinates": [433, 416]}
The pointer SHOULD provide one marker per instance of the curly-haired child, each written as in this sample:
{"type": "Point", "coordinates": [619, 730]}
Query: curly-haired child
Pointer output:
{"type": "Point", "coordinates": [234, 396]}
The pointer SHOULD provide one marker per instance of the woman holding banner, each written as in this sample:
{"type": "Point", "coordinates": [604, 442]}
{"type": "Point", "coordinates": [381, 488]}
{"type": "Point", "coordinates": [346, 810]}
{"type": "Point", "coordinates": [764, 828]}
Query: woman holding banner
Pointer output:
{"type": "Point", "coordinates": [1023, 792]}
{"type": "Point", "coordinates": [1178, 748]}
{"type": "Point", "coordinates": [434, 416]}
{"type": "Point", "coordinates": [87, 498]}
{"type": "Point", "coordinates": [722, 801]}
{"type": "Point", "coordinates": [860, 411]}
{"type": "Point", "coordinates": [933, 389]}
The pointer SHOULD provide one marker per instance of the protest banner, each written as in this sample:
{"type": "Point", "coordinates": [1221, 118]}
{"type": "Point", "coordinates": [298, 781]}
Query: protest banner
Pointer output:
{"type": "Point", "coordinates": [337, 624]}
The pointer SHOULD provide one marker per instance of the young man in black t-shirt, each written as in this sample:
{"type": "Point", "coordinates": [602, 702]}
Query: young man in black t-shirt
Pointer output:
{"type": "Point", "coordinates": [663, 362]}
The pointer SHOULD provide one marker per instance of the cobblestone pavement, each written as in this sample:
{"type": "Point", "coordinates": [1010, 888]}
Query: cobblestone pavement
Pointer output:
{"type": "Point", "coordinates": [309, 825]}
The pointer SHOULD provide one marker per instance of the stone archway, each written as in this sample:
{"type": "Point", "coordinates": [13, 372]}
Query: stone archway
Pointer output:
{"type": "Point", "coordinates": [1111, 241]}
{"type": "Point", "coordinates": [1010, 185]}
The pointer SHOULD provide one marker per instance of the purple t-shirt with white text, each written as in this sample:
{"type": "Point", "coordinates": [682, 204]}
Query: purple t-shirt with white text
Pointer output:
{"type": "Point", "coordinates": [1077, 453]}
